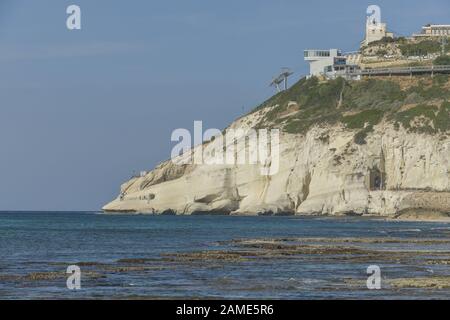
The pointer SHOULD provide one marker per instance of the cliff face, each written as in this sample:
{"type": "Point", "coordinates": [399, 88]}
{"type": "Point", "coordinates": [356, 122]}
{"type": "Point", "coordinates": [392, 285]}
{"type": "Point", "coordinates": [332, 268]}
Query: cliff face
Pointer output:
{"type": "Point", "coordinates": [326, 169]}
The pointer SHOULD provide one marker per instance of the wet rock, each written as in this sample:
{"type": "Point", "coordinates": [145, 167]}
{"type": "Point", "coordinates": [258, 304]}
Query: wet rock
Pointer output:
{"type": "Point", "coordinates": [233, 256]}
{"type": "Point", "coordinates": [136, 260]}
{"type": "Point", "coordinates": [435, 282]}
{"type": "Point", "coordinates": [39, 276]}
{"type": "Point", "coordinates": [438, 262]}
{"type": "Point", "coordinates": [54, 275]}
{"type": "Point", "coordinates": [132, 268]}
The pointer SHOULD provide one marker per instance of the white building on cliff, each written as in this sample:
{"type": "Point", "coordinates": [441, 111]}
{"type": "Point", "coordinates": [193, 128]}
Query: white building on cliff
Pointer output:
{"type": "Point", "coordinates": [328, 63]}
{"type": "Point", "coordinates": [375, 31]}
{"type": "Point", "coordinates": [322, 61]}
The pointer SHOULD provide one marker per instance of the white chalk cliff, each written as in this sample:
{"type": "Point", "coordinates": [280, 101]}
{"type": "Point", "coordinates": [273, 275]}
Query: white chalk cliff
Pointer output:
{"type": "Point", "coordinates": [321, 172]}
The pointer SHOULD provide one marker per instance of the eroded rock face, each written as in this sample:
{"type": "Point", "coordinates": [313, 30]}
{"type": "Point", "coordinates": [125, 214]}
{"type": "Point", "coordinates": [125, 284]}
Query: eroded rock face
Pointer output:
{"type": "Point", "coordinates": [322, 172]}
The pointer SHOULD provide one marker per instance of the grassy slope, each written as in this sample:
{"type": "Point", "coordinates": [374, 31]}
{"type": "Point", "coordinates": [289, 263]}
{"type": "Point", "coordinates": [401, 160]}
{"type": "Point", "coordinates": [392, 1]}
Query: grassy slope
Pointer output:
{"type": "Point", "coordinates": [419, 105]}
{"type": "Point", "coordinates": [421, 47]}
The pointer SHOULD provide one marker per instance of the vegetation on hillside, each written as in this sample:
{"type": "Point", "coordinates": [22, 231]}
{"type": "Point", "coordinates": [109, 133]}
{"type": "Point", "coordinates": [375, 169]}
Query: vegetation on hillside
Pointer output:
{"type": "Point", "coordinates": [402, 48]}
{"type": "Point", "coordinates": [387, 40]}
{"type": "Point", "coordinates": [421, 48]}
{"type": "Point", "coordinates": [442, 60]}
{"type": "Point", "coordinates": [422, 106]}
{"type": "Point", "coordinates": [385, 47]}
{"type": "Point", "coordinates": [426, 118]}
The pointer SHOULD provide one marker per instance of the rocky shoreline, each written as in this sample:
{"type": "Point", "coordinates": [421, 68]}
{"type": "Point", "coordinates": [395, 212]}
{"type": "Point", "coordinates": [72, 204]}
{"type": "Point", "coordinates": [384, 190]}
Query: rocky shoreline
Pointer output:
{"type": "Point", "coordinates": [409, 216]}
{"type": "Point", "coordinates": [359, 251]}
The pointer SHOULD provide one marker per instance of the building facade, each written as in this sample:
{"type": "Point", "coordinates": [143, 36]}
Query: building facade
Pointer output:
{"type": "Point", "coordinates": [434, 30]}
{"type": "Point", "coordinates": [329, 64]}
{"type": "Point", "coordinates": [375, 31]}
{"type": "Point", "coordinates": [320, 61]}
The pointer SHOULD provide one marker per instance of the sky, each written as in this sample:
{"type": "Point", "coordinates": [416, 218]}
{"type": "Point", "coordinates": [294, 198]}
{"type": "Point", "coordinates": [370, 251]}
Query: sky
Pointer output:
{"type": "Point", "coordinates": [80, 110]}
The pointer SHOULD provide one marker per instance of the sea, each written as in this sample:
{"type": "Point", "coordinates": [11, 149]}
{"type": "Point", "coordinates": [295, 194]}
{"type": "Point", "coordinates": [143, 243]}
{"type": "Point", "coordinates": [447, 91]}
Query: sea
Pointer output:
{"type": "Point", "coordinates": [194, 257]}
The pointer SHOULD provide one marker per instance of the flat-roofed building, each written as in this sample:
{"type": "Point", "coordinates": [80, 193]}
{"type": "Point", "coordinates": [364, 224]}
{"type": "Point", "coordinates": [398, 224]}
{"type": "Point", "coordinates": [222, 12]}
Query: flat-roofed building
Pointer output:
{"type": "Point", "coordinates": [321, 60]}
{"type": "Point", "coordinates": [434, 30]}
{"type": "Point", "coordinates": [328, 63]}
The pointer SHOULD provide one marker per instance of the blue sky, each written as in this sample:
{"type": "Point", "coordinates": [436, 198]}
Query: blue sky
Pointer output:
{"type": "Point", "coordinates": [80, 110]}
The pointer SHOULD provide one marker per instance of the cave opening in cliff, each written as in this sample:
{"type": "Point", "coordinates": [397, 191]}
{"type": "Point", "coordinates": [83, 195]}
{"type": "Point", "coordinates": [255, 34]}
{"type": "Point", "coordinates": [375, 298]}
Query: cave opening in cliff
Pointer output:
{"type": "Point", "coordinates": [377, 180]}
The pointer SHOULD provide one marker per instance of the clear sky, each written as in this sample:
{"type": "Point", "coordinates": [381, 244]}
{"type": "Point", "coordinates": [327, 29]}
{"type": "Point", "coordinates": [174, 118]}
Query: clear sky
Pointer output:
{"type": "Point", "coordinates": [80, 110]}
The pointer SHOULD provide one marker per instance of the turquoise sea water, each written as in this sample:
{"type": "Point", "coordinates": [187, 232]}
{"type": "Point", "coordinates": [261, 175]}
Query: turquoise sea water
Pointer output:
{"type": "Point", "coordinates": [44, 243]}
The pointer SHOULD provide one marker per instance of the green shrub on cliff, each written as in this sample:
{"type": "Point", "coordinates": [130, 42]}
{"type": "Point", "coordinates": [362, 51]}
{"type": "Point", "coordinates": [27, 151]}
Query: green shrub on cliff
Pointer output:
{"type": "Point", "coordinates": [435, 91]}
{"type": "Point", "coordinates": [424, 115]}
{"type": "Point", "coordinates": [317, 101]}
{"type": "Point", "coordinates": [442, 60]}
{"type": "Point", "coordinates": [360, 120]}
{"type": "Point", "coordinates": [421, 48]}
{"type": "Point", "coordinates": [360, 105]}
{"type": "Point", "coordinates": [372, 93]}
{"type": "Point", "coordinates": [440, 79]}
{"type": "Point", "coordinates": [326, 102]}
{"type": "Point", "coordinates": [442, 122]}
{"type": "Point", "coordinates": [387, 40]}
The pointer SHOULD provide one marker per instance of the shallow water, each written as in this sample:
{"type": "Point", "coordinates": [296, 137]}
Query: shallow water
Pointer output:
{"type": "Point", "coordinates": [33, 242]}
